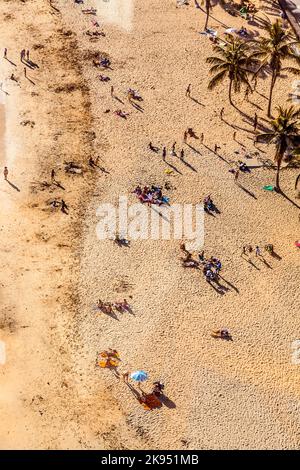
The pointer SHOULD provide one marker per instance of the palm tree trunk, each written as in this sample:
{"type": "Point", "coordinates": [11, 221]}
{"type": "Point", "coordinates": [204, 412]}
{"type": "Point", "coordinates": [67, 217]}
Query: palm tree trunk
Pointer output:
{"type": "Point", "coordinates": [278, 158]}
{"type": "Point", "coordinates": [207, 7]}
{"type": "Point", "coordinates": [277, 175]}
{"type": "Point", "coordinates": [230, 92]}
{"type": "Point", "coordinates": [274, 77]}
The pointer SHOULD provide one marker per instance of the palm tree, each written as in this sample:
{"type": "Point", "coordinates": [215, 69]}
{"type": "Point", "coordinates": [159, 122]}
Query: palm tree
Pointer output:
{"type": "Point", "coordinates": [233, 63]}
{"type": "Point", "coordinates": [283, 132]}
{"type": "Point", "coordinates": [273, 50]}
{"type": "Point", "coordinates": [207, 5]}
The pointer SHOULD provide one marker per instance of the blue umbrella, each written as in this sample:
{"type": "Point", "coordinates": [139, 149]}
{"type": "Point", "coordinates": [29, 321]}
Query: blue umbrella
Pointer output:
{"type": "Point", "coordinates": [139, 376]}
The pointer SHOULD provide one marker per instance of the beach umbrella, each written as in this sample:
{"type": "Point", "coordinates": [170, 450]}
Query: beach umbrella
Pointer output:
{"type": "Point", "coordinates": [139, 376]}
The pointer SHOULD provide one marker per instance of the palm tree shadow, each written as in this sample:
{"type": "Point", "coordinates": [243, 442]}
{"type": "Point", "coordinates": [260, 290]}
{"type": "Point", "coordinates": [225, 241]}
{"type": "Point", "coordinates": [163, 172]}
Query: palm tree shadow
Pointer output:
{"type": "Point", "coordinates": [288, 199]}
{"type": "Point", "coordinates": [13, 186]}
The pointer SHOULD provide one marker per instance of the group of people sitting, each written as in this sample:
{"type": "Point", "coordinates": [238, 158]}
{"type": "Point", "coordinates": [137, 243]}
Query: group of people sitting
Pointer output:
{"type": "Point", "coordinates": [108, 307]}
{"type": "Point", "coordinates": [151, 195]}
{"type": "Point", "coordinates": [212, 268]}
{"type": "Point", "coordinates": [102, 62]}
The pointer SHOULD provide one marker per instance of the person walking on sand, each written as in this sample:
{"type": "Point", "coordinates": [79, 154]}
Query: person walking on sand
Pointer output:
{"type": "Point", "coordinates": [181, 154]}
{"type": "Point", "coordinates": [185, 136]}
{"type": "Point", "coordinates": [5, 173]}
{"type": "Point", "coordinates": [64, 206]}
{"type": "Point", "coordinates": [25, 72]}
{"type": "Point", "coordinates": [5, 53]}
{"type": "Point", "coordinates": [257, 251]}
{"type": "Point", "coordinates": [164, 153]}
{"type": "Point", "coordinates": [188, 91]}
{"type": "Point", "coordinates": [234, 135]}
{"type": "Point", "coordinates": [112, 91]}
{"type": "Point", "coordinates": [255, 122]}
{"type": "Point", "coordinates": [221, 113]}
{"type": "Point", "coordinates": [201, 138]}
{"type": "Point", "coordinates": [52, 176]}
{"type": "Point", "coordinates": [27, 55]}
{"type": "Point", "coordinates": [173, 151]}
{"type": "Point", "coordinates": [22, 55]}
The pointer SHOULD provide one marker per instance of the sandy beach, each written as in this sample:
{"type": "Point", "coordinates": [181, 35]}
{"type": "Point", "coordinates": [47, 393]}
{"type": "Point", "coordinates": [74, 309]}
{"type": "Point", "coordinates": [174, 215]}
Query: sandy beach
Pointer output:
{"type": "Point", "coordinates": [239, 394]}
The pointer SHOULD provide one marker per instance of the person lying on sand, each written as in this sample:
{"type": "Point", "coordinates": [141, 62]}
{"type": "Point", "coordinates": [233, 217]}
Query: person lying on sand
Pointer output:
{"type": "Point", "coordinates": [104, 78]}
{"type": "Point", "coordinates": [223, 334]}
{"type": "Point", "coordinates": [121, 114]}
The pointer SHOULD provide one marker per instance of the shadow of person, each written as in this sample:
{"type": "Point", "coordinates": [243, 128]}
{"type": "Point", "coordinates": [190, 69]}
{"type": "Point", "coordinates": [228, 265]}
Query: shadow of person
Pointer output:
{"type": "Point", "coordinates": [247, 191]}
{"type": "Point", "coordinates": [31, 81]}
{"type": "Point", "coordinates": [134, 391]}
{"type": "Point", "coordinates": [263, 260]}
{"type": "Point", "coordinates": [276, 255]}
{"type": "Point", "coordinates": [167, 401]}
{"type": "Point", "coordinates": [251, 262]}
{"type": "Point", "coordinates": [229, 283]}
{"type": "Point", "coordinates": [59, 185]}
{"type": "Point", "coordinates": [11, 62]}
{"type": "Point", "coordinates": [137, 106]}
{"type": "Point", "coordinates": [13, 186]}
{"type": "Point", "coordinates": [188, 165]}
{"type": "Point", "coordinates": [114, 370]}
{"type": "Point", "coordinates": [196, 101]}
{"type": "Point", "coordinates": [118, 99]}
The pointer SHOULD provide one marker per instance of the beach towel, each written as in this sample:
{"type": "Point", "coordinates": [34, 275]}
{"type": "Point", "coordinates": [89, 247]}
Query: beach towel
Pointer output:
{"type": "Point", "coordinates": [268, 188]}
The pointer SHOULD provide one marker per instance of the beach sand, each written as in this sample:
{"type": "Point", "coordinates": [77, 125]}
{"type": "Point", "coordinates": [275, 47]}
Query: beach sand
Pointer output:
{"type": "Point", "coordinates": [221, 394]}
